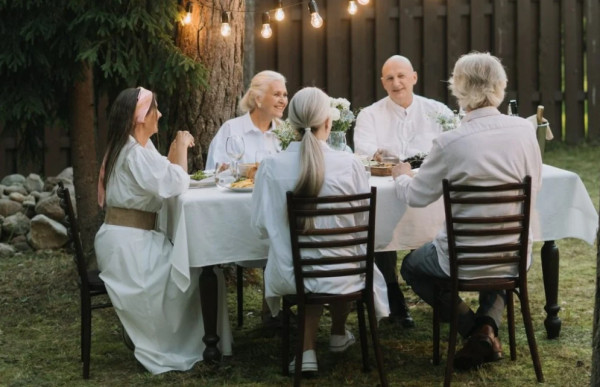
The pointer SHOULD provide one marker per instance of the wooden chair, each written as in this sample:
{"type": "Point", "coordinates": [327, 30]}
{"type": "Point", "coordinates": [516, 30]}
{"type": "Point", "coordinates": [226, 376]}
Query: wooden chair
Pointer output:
{"type": "Point", "coordinates": [477, 230]}
{"type": "Point", "coordinates": [90, 284]}
{"type": "Point", "coordinates": [305, 207]}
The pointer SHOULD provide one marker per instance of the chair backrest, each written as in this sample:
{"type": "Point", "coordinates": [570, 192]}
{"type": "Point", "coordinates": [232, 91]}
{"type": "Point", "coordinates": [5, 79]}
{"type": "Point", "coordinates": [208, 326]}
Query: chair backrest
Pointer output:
{"type": "Point", "coordinates": [351, 246]}
{"type": "Point", "coordinates": [497, 236]}
{"type": "Point", "coordinates": [73, 231]}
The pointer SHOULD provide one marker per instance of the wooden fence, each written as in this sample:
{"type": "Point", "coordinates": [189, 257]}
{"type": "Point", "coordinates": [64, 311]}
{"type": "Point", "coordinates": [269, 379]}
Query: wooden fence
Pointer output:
{"type": "Point", "coordinates": [550, 48]}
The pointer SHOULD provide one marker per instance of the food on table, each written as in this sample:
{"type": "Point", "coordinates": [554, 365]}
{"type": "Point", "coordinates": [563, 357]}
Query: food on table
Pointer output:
{"type": "Point", "coordinates": [243, 183]}
{"type": "Point", "coordinates": [198, 175]}
{"type": "Point", "coordinates": [382, 169]}
{"type": "Point", "coordinates": [416, 160]}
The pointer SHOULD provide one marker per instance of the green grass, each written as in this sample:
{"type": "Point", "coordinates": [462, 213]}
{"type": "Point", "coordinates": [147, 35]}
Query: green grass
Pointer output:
{"type": "Point", "coordinates": [39, 328]}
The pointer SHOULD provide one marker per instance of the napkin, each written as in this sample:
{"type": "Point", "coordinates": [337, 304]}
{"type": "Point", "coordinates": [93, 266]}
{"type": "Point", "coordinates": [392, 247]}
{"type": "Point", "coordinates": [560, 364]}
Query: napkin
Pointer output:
{"type": "Point", "coordinates": [533, 121]}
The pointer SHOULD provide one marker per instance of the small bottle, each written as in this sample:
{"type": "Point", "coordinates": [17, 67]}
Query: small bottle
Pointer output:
{"type": "Point", "coordinates": [513, 109]}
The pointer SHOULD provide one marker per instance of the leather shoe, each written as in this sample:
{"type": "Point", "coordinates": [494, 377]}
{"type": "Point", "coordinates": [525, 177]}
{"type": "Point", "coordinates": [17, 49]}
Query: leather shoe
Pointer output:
{"type": "Point", "coordinates": [483, 346]}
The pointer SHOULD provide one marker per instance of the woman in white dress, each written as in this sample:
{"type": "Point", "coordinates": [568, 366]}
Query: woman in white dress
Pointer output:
{"type": "Point", "coordinates": [263, 103]}
{"type": "Point", "coordinates": [310, 168]}
{"type": "Point", "coordinates": [165, 324]}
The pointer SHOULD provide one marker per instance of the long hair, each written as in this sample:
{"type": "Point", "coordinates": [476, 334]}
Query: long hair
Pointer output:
{"type": "Point", "coordinates": [121, 122]}
{"type": "Point", "coordinates": [309, 109]}
{"type": "Point", "coordinates": [258, 87]}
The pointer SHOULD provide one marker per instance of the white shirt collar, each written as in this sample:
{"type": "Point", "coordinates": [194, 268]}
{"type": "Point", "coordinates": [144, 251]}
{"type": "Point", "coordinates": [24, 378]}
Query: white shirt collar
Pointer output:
{"type": "Point", "coordinates": [481, 112]}
{"type": "Point", "coordinates": [250, 127]}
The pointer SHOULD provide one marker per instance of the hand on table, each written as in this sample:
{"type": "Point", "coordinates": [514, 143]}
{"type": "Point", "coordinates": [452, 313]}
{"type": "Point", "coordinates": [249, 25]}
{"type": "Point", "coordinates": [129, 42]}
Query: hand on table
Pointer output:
{"type": "Point", "coordinates": [402, 169]}
{"type": "Point", "coordinates": [381, 153]}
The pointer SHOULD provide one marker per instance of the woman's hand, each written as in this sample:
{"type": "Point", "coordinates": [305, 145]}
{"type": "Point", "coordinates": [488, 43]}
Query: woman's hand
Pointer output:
{"type": "Point", "coordinates": [178, 150]}
{"type": "Point", "coordinates": [184, 138]}
{"type": "Point", "coordinates": [402, 169]}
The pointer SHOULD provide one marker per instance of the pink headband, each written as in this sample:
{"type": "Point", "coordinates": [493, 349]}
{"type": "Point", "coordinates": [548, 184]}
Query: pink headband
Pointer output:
{"type": "Point", "coordinates": [143, 105]}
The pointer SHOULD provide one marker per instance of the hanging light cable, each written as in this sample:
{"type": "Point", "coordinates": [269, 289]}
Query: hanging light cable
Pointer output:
{"type": "Point", "coordinates": [225, 26]}
{"type": "Point", "coordinates": [266, 31]}
{"type": "Point", "coordinates": [315, 19]}
{"type": "Point", "coordinates": [279, 14]}
{"type": "Point", "coordinates": [352, 7]}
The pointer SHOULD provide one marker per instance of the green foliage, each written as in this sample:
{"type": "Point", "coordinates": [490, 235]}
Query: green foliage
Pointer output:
{"type": "Point", "coordinates": [44, 42]}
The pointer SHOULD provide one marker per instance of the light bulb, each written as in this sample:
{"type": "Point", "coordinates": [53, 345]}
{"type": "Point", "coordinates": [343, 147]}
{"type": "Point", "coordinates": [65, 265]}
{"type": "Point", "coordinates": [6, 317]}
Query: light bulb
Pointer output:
{"type": "Point", "coordinates": [363, 2]}
{"type": "Point", "coordinates": [225, 26]}
{"type": "Point", "coordinates": [266, 31]}
{"type": "Point", "coordinates": [316, 20]}
{"type": "Point", "coordinates": [187, 19]}
{"type": "Point", "coordinates": [225, 29]}
{"type": "Point", "coordinates": [352, 7]}
{"type": "Point", "coordinates": [279, 14]}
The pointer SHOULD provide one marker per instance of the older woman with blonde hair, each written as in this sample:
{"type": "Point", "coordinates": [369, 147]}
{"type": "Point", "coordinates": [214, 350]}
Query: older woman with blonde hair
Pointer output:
{"type": "Point", "coordinates": [263, 105]}
{"type": "Point", "coordinates": [310, 168]}
{"type": "Point", "coordinates": [488, 148]}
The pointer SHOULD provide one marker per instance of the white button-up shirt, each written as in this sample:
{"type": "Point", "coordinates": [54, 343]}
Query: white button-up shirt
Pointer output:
{"type": "Point", "coordinates": [402, 132]}
{"type": "Point", "coordinates": [254, 140]}
{"type": "Point", "coordinates": [488, 148]}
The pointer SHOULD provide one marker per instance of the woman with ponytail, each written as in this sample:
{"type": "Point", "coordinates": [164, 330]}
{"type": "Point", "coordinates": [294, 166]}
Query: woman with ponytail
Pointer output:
{"type": "Point", "coordinates": [310, 168]}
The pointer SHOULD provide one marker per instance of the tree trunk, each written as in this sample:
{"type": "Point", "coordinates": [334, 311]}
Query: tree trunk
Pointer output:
{"type": "Point", "coordinates": [596, 335]}
{"type": "Point", "coordinates": [83, 159]}
{"type": "Point", "coordinates": [202, 112]}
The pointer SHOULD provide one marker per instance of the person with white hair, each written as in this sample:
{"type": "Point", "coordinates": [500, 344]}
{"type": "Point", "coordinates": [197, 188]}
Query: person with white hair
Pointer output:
{"type": "Point", "coordinates": [263, 104]}
{"type": "Point", "coordinates": [488, 148]}
{"type": "Point", "coordinates": [403, 125]}
{"type": "Point", "coordinates": [310, 168]}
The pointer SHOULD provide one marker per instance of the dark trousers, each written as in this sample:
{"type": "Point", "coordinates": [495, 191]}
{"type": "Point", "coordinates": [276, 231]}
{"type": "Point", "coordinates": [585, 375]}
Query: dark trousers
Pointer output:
{"type": "Point", "coordinates": [386, 262]}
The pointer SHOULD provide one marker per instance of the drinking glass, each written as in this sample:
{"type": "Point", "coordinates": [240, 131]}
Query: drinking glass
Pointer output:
{"type": "Point", "coordinates": [366, 161]}
{"type": "Point", "coordinates": [235, 150]}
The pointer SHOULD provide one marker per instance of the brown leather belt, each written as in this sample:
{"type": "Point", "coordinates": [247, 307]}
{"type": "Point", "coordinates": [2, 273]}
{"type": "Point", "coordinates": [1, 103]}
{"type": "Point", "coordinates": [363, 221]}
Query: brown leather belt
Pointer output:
{"type": "Point", "coordinates": [129, 217]}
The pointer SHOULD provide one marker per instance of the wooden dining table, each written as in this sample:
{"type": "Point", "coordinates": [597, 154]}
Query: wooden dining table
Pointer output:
{"type": "Point", "coordinates": [211, 226]}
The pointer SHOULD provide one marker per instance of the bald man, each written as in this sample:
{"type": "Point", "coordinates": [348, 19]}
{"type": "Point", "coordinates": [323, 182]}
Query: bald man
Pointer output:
{"type": "Point", "coordinates": [402, 124]}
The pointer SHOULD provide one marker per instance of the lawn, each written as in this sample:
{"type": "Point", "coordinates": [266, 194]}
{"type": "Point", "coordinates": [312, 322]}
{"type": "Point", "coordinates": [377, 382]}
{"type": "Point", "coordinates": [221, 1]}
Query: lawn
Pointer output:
{"type": "Point", "coordinates": [39, 328]}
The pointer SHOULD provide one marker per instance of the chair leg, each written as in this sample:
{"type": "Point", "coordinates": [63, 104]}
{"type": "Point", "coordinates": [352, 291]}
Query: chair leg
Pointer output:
{"type": "Point", "coordinates": [537, 365]}
{"type": "Point", "coordinates": [285, 338]}
{"type": "Point", "coordinates": [451, 343]}
{"type": "Point", "coordinates": [362, 329]}
{"type": "Point", "coordinates": [240, 295]}
{"type": "Point", "coordinates": [86, 335]}
{"type": "Point", "coordinates": [375, 340]}
{"type": "Point", "coordinates": [436, 332]}
{"type": "Point", "coordinates": [510, 317]}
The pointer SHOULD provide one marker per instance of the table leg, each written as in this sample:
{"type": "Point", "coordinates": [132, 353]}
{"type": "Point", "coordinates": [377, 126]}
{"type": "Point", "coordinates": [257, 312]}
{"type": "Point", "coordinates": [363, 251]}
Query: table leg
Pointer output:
{"type": "Point", "coordinates": [209, 292]}
{"type": "Point", "coordinates": [550, 256]}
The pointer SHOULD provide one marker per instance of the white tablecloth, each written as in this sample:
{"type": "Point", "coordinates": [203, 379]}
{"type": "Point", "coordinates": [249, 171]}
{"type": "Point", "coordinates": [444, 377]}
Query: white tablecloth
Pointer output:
{"type": "Point", "coordinates": [210, 226]}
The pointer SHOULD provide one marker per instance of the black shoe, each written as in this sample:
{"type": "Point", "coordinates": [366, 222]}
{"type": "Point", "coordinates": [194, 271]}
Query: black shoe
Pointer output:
{"type": "Point", "coordinates": [398, 309]}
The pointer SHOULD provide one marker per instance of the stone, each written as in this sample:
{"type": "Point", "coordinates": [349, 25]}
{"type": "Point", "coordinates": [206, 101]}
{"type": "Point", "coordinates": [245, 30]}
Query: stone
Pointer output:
{"type": "Point", "coordinates": [9, 207]}
{"type": "Point", "coordinates": [15, 188]}
{"type": "Point", "coordinates": [50, 207]}
{"type": "Point", "coordinates": [47, 233]}
{"type": "Point", "coordinates": [33, 183]}
{"type": "Point", "coordinates": [17, 224]}
{"type": "Point", "coordinates": [13, 179]}
{"type": "Point", "coordinates": [6, 250]}
{"type": "Point", "coordinates": [17, 197]}
{"type": "Point", "coordinates": [66, 176]}
{"type": "Point", "coordinates": [20, 243]}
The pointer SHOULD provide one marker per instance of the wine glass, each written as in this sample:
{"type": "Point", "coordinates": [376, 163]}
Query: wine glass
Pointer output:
{"type": "Point", "coordinates": [235, 150]}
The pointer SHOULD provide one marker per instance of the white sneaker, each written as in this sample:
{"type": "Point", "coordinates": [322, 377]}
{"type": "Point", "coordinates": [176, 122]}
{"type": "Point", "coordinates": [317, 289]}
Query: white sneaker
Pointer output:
{"type": "Point", "coordinates": [309, 362]}
{"type": "Point", "coordinates": [339, 343]}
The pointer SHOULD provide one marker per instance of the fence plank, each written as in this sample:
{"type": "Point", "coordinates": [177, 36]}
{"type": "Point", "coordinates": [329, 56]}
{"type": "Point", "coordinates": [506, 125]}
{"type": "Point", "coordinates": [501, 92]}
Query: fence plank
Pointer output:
{"type": "Point", "coordinates": [386, 43]}
{"type": "Point", "coordinates": [265, 57]}
{"type": "Point", "coordinates": [550, 57]}
{"type": "Point", "coordinates": [573, 54]}
{"type": "Point", "coordinates": [457, 37]}
{"type": "Point", "coordinates": [479, 35]}
{"type": "Point", "coordinates": [434, 66]}
{"type": "Point", "coordinates": [363, 71]}
{"type": "Point", "coordinates": [411, 39]}
{"type": "Point", "coordinates": [524, 58]}
{"type": "Point", "coordinates": [338, 48]}
{"type": "Point", "coordinates": [592, 17]}
{"type": "Point", "coordinates": [289, 49]}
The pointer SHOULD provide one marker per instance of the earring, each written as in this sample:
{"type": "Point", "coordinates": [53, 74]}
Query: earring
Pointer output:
{"type": "Point", "coordinates": [259, 105]}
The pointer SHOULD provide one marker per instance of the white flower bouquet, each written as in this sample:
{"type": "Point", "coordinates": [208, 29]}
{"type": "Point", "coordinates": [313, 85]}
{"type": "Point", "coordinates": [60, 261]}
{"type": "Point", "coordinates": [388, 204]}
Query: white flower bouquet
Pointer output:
{"type": "Point", "coordinates": [285, 133]}
{"type": "Point", "coordinates": [341, 115]}
{"type": "Point", "coordinates": [447, 122]}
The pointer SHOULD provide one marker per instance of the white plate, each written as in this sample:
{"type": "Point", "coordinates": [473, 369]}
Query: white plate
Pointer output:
{"type": "Point", "coordinates": [234, 189]}
{"type": "Point", "coordinates": [206, 182]}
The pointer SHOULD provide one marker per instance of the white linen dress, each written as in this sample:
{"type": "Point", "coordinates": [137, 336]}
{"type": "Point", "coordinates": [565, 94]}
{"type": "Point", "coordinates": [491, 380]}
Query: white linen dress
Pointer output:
{"type": "Point", "coordinates": [164, 323]}
{"type": "Point", "coordinates": [344, 175]}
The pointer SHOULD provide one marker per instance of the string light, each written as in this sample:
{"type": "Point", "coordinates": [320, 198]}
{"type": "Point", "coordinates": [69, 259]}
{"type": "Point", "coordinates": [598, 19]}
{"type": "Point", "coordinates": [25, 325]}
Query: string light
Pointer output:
{"type": "Point", "coordinates": [225, 26]}
{"type": "Point", "coordinates": [363, 2]}
{"type": "Point", "coordinates": [352, 7]}
{"type": "Point", "coordinates": [315, 19]}
{"type": "Point", "coordinates": [188, 14]}
{"type": "Point", "coordinates": [279, 14]}
{"type": "Point", "coordinates": [266, 31]}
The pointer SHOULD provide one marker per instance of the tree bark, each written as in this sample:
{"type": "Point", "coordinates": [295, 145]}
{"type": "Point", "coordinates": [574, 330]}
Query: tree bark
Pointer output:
{"type": "Point", "coordinates": [202, 112]}
{"type": "Point", "coordinates": [83, 159]}
{"type": "Point", "coordinates": [596, 335]}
